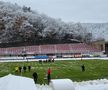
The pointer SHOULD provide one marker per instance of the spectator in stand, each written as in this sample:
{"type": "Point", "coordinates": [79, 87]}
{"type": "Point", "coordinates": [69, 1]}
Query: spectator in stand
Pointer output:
{"type": "Point", "coordinates": [35, 77]}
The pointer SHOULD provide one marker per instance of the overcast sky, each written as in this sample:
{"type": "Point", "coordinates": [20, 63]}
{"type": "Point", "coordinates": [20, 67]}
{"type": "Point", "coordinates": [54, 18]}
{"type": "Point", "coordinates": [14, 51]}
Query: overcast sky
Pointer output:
{"type": "Point", "coordinates": [70, 10]}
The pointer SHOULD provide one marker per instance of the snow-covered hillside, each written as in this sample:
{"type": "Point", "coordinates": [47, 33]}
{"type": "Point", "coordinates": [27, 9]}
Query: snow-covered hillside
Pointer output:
{"type": "Point", "coordinates": [22, 24]}
{"type": "Point", "coordinates": [98, 30]}
{"type": "Point", "coordinates": [19, 24]}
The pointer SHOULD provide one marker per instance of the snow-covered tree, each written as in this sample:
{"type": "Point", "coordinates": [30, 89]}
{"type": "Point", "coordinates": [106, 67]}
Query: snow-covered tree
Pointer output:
{"type": "Point", "coordinates": [22, 24]}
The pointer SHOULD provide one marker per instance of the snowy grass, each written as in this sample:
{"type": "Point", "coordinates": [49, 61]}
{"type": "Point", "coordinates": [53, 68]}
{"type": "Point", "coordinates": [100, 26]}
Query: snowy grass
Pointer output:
{"type": "Point", "coordinates": [95, 69]}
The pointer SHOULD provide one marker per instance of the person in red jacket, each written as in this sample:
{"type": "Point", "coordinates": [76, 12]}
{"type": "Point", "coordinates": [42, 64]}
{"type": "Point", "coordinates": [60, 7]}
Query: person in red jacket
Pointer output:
{"type": "Point", "coordinates": [49, 75]}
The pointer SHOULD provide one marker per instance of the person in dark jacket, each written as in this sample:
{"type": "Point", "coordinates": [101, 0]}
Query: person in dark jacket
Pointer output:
{"type": "Point", "coordinates": [29, 68]}
{"type": "Point", "coordinates": [24, 68]}
{"type": "Point", "coordinates": [83, 68]}
{"type": "Point", "coordinates": [20, 68]}
{"type": "Point", "coordinates": [35, 77]}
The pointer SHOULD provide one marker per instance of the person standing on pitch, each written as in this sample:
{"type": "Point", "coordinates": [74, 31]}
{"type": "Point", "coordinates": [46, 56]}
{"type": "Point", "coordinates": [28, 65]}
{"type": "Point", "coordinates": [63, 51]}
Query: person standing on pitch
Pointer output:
{"type": "Point", "coordinates": [49, 75]}
{"type": "Point", "coordinates": [20, 68]}
{"type": "Point", "coordinates": [35, 77]}
{"type": "Point", "coordinates": [29, 68]}
{"type": "Point", "coordinates": [24, 68]}
{"type": "Point", "coordinates": [83, 68]}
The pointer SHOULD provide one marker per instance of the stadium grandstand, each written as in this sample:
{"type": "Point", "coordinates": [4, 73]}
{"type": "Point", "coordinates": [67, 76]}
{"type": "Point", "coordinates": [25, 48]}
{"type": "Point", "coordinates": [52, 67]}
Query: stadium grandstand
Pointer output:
{"type": "Point", "coordinates": [102, 45]}
{"type": "Point", "coordinates": [57, 50]}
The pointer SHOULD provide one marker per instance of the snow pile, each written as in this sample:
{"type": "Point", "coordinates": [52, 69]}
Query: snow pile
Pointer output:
{"type": "Point", "coordinates": [101, 84]}
{"type": "Point", "coordinates": [12, 82]}
{"type": "Point", "coordinates": [43, 87]}
{"type": "Point", "coordinates": [62, 84]}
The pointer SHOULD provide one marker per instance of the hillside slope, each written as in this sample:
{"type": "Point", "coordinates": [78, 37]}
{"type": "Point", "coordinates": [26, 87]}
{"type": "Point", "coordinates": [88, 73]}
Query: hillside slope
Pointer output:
{"type": "Point", "coordinates": [19, 24]}
{"type": "Point", "coordinates": [98, 30]}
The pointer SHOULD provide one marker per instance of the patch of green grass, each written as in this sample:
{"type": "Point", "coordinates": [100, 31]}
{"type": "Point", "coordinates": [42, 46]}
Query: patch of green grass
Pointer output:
{"type": "Point", "coordinates": [95, 69]}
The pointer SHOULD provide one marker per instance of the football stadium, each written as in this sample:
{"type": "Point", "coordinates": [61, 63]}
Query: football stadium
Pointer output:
{"type": "Point", "coordinates": [67, 49]}
{"type": "Point", "coordinates": [64, 60]}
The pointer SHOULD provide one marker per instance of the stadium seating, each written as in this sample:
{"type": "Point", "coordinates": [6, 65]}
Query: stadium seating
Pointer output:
{"type": "Point", "coordinates": [33, 49]}
{"type": "Point", "coordinates": [14, 50]}
{"type": "Point", "coordinates": [49, 49]}
{"type": "Point", "coordinates": [62, 48]}
{"type": "Point", "coordinates": [2, 51]}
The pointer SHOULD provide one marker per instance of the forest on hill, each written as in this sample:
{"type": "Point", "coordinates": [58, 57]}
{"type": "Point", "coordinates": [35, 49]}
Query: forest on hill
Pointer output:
{"type": "Point", "coordinates": [22, 24]}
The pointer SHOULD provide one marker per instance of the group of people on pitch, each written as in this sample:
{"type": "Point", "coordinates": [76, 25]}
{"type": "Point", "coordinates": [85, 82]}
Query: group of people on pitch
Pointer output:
{"type": "Point", "coordinates": [35, 76]}
{"type": "Point", "coordinates": [22, 69]}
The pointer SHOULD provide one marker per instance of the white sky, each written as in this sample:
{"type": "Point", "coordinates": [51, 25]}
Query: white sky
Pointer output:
{"type": "Point", "coordinates": [70, 10]}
